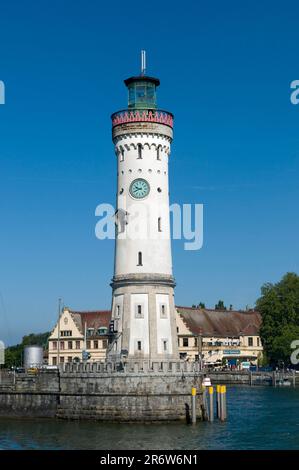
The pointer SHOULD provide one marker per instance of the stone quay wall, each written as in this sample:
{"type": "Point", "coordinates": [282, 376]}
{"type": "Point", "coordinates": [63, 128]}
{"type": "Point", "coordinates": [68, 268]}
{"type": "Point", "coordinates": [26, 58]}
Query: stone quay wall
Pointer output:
{"type": "Point", "coordinates": [103, 392]}
{"type": "Point", "coordinates": [254, 378]}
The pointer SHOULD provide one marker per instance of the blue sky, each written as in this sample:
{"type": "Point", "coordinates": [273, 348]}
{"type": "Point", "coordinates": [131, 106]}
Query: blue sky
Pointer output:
{"type": "Point", "coordinates": [225, 71]}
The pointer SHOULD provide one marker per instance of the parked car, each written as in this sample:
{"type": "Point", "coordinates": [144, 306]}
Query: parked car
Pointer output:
{"type": "Point", "coordinates": [245, 365]}
{"type": "Point", "coordinates": [32, 370]}
{"type": "Point", "coordinates": [47, 367]}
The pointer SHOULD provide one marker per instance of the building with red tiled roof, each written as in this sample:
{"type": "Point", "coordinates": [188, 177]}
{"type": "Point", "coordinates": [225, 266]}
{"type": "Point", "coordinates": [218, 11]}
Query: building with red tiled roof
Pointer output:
{"type": "Point", "coordinates": [219, 336]}
{"type": "Point", "coordinates": [79, 333]}
{"type": "Point", "coordinates": [92, 319]}
{"type": "Point", "coordinates": [216, 335]}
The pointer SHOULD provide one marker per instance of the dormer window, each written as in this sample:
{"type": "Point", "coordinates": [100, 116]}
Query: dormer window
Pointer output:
{"type": "Point", "coordinates": [102, 330]}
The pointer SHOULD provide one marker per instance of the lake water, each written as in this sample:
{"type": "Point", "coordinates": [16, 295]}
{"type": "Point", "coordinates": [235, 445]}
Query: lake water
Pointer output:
{"type": "Point", "coordinates": [258, 418]}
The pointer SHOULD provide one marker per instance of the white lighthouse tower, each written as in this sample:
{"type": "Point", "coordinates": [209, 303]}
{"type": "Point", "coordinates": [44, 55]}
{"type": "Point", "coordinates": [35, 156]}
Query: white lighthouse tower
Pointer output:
{"type": "Point", "coordinates": [143, 309]}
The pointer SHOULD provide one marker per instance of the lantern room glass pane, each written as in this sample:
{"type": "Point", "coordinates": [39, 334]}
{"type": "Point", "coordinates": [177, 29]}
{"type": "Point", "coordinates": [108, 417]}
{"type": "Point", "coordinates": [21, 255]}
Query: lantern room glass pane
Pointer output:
{"type": "Point", "coordinates": [142, 95]}
{"type": "Point", "coordinates": [131, 95]}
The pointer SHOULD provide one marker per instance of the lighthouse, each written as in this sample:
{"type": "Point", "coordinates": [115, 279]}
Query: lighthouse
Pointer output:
{"type": "Point", "coordinates": [143, 325]}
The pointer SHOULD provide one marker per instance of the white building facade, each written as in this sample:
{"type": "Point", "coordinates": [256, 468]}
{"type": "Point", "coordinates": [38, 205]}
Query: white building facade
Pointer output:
{"type": "Point", "coordinates": [143, 311]}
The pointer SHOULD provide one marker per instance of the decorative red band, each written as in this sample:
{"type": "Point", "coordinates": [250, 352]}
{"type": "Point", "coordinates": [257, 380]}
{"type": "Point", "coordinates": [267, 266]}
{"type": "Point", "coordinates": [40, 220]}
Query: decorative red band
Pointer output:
{"type": "Point", "coordinates": [161, 117]}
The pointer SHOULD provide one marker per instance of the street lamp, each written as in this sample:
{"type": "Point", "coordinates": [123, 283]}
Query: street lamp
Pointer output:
{"type": "Point", "coordinates": [199, 346]}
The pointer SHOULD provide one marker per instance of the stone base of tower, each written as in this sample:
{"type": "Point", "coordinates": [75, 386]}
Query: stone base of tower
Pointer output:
{"type": "Point", "coordinates": [143, 312]}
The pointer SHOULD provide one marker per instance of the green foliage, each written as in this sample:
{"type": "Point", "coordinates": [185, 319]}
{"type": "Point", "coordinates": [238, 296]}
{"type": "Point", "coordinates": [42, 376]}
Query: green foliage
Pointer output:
{"type": "Point", "coordinates": [200, 305]}
{"type": "Point", "coordinates": [263, 360]}
{"type": "Point", "coordinates": [40, 339]}
{"type": "Point", "coordinates": [220, 305]}
{"type": "Point", "coordinates": [14, 354]}
{"type": "Point", "coordinates": [279, 307]}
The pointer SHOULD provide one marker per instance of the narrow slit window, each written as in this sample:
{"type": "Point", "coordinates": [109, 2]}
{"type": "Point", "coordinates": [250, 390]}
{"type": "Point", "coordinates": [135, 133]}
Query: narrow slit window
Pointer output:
{"type": "Point", "coordinates": [138, 345]}
{"type": "Point", "coordinates": [158, 154]}
{"type": "Point", "coordinates": [139, 309]}
{"type": "Point", "coordinates": [122, 155]}
{"type": "Point", "coordinates": [165, 345]}
{"type": "Point", "coordinates": [159, 224]}
{"type": "Point", "coordinates": [139, 147]}
{"type": "Point", "coordinates": [139, 258]}
{"type": "Point", "coordinates": [163, 311]}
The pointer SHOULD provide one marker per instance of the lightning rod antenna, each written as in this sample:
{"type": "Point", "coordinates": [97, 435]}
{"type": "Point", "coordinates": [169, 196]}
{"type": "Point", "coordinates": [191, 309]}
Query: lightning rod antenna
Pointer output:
{"type": "Point", "coordinates": [143, 62]}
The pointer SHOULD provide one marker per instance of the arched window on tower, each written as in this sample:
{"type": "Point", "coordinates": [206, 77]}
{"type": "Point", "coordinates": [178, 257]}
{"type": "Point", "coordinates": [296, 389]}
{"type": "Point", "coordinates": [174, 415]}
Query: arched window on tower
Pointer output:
{"type": "Point", "coordinates": [159, 224]}
{"type": "Point", "coordinates": [139, 148]}
{"type": "Point", "coordinates": [122, 155]}
{"type": "Point", "coordinates": [139, 259]}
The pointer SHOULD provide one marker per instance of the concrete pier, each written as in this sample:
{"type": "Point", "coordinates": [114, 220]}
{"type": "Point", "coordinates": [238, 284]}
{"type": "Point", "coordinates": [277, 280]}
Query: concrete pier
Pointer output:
{"type": "Point", "coordinates": [103, 392]}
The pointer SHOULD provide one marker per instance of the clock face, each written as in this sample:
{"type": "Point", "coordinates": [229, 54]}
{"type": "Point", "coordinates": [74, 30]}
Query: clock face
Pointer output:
{"type": "Point", "coordinates": [139, 188]}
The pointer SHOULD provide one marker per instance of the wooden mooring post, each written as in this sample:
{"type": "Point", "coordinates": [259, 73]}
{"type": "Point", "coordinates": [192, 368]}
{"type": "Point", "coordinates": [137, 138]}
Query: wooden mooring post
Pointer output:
{"type": "Point", "coordinates": [211, 403]}
{"type": "Point", "coordinates": [223, 413]}
{"type": "Point", "coordinates": [218, 387]}
{"type": "Point", "coordinates": [208, 402]}
{"type": "Point", "coordinates": [193, 405]}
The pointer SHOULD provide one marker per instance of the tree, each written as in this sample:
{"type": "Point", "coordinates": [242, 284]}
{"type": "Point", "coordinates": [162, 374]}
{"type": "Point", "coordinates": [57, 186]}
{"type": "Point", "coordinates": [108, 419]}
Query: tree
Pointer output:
{"type": "Point", "coordinates": [39, 339]}
{"type": "Point", "coordinates": [279, 308]}
{"type": "Point", "coordinates": [14, 354]}
{"type": "Point", "coordinates": [220, 305]}
{"type": "Point", "coordinates": [200, 305]}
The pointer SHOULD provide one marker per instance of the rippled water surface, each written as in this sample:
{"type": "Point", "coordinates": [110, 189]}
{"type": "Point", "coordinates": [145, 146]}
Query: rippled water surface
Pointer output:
{"type": "Point", "coordinates": [258, 418]}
